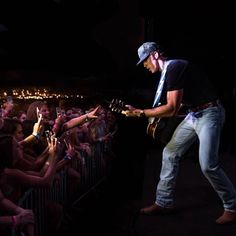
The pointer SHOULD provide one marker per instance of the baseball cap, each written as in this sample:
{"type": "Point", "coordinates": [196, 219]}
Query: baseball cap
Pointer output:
{"type": "Point", "coordinates": [145, 50]}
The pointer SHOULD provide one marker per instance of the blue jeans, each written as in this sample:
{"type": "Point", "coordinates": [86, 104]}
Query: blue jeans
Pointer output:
{"type": "Point", "coordinates": [205, 125]}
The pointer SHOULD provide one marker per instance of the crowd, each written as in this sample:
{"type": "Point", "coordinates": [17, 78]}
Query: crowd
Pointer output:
{"type": "Point", "coordinates": [40, 140]}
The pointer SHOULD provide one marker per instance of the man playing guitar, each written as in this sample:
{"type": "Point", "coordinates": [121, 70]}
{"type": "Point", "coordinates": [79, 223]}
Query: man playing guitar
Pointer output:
{"type": "Point", "coordinates": [186, 84]}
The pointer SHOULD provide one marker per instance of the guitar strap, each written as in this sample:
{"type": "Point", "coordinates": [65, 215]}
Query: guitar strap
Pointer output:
{"type": "Point", "coordinates": [159, 89]}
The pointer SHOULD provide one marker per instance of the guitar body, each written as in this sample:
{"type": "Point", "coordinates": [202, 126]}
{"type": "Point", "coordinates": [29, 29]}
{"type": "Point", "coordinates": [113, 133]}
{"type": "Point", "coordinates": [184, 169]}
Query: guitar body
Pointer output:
{"type": "Point", "coordinates": [152, 128]}
{"type": "Point", "coordinates": [162, 129]}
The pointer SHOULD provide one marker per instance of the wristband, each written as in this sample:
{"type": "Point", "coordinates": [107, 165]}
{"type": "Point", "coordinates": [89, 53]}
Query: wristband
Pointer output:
{"type": "Point", "coordinates": [13, 219]}
{"type": "Point", "coordinates": [67, 157]}
{"type": "Point", "coordinates": [86, 118]}
{"type": "Point", "coordinates": [142, 114]}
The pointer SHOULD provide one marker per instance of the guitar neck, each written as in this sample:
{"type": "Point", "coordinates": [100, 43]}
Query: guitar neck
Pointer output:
{"type": "Point", "coordinates": [118, 106]}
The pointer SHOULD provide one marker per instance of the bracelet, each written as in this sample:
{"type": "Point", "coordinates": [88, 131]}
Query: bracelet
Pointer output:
{"type": "Point", "coordinates": [47, 163]}
{"type": "Point", "coordinates": [36, 135]}
{"type": "Point", "coordinates": [13, 219]}
{"type": "Point", "coordinates": [67, 157]}
{"type": "Point", "coordinates": [86, 118]}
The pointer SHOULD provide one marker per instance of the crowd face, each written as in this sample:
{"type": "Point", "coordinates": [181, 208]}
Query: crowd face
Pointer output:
{"type": "Point", "coordinates": [44, 110]}
{"type": "Point", "coordinates": [22, 117]}
{"type": "Point", "coordinates": [19, 135]}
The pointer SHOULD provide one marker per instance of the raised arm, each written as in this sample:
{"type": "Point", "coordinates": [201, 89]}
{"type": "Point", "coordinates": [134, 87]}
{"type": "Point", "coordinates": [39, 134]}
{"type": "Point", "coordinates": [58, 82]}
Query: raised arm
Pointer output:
{"type": "Point", "coordinates": [81, 119]}
{"type": "Point", "coordinates": [36, 131]}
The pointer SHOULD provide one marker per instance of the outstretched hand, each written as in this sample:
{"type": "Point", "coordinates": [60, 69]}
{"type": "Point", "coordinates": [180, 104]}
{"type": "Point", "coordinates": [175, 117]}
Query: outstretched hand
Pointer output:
{"type": "Point", "coordinates": [91, 114]}
{"type": "Point", "coordinates": [38, 125]}
{"type": "Point", "coordinates": [26, 216]}
{"type": "Point", "coordinates": [70, 152]}
{"type": "Point", "coordinates": [52, 144]}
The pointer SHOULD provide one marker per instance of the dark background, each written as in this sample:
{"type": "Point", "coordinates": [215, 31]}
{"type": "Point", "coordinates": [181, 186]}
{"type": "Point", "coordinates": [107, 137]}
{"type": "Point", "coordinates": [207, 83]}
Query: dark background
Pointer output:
{"type": "Point", "coordinates": [95, 42]}
{"type": "Point", "coordinates": [93, 45]}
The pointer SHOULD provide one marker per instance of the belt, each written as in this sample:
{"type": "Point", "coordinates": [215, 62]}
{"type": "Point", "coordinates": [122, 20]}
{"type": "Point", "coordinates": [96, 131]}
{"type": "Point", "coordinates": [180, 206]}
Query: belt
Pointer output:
{"type": "Point", "coordinates": [204, 106]}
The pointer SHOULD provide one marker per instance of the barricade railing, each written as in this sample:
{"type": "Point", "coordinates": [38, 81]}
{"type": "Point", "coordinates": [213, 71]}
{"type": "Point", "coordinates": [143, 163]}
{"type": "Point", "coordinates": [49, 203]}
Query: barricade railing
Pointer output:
{"type": "Point", "coordinates": [92, 170]}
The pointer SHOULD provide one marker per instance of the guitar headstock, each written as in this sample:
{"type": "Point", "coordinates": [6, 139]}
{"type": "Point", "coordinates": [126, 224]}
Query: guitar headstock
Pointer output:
{"type": "Point", "coordinates": [117, 105]}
